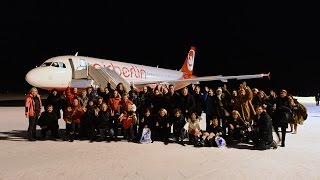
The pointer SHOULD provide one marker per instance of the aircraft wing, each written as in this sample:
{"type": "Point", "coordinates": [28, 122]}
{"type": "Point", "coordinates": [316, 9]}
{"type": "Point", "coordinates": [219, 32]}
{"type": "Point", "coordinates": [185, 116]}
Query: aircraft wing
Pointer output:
{"type": "Point", "coordinates": [206, 78]}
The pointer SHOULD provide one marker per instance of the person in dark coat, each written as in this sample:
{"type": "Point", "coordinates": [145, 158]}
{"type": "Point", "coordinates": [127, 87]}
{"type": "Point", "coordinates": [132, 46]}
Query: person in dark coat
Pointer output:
{"type": "Point", "coordinates": [271, 101]}
{"type": "Point", "coordinates": [178, 121]}
{"type": "Point", "coordinates": [145, 121]}
{"type": "Point", "coordinates": [220, 105]}
{"type": "Point", "coordinates": [171, 100]}
{"type": "Point", "coordinates": [48, 121]}
{"type": "Point", "coordinates": [209, 106]}
{"type": "Point", "coordinates": [105, 124]}
{"type": "Point", "coordinates": [91, 120]}
{"type": "Point", "coordinates": [92, 93]}
{"type": "Point", "coordinates": [317, 98]}
{"type": "Point", "coordinates": [133, 96]}
{"type": "Point", "coordinates": [237, 127]}
{"type": "Point", "coordinates": [282, 115]}
{"type": "Point", "coordinates": [160, 128]}
{"type": "Point", "coordinates": [157, 101]}
{"type": "Point", "coordinates": [55, 100]}
{"type": "Point", "coordinates": [199, 100]}
{"type": "Point", "coordinates": [262, 133]}
{"type": "Point", "coordinates": [186, 102]}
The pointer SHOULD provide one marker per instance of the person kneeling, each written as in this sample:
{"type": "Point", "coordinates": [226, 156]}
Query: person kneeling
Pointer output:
{"type": "Point", "coordinates": [49, 121]}
{"type": "Point", "coordinates": [237, 127]}
{"type": "Point", "coordinates": [262, 132]}
{"type": "Point", "coordinates": [213, 131]}
{"type": "Point", "coordinates": [193, 129]}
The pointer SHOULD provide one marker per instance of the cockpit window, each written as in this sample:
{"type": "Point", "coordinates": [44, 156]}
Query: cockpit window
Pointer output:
{"type": "Point", "coordinates": [46, 64]}
{"type": "Point", "coordinates": [55, 64]}
{"type": "Point", "coordinates": [62, 65]}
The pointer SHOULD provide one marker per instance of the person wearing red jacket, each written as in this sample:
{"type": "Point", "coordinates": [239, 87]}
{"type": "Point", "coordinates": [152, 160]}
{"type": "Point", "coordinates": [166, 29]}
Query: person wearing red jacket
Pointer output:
{"type": "Point", "coordinates": [114, 105]}
{"type": "Point", "coordinates": [77, 114]}
{"type": "Point", "coordinates": [71, 95]}
{"type": "Point", "coordinates": [33, 107]}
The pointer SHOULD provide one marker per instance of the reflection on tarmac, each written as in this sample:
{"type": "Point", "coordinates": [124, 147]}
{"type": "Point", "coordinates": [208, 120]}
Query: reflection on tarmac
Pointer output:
{"type": "Point", "coordinates": [15, 99]}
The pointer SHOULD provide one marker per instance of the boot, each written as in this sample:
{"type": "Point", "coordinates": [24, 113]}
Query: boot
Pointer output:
{"type": "Point", "coordinates": [182, 142]}
{"type": "Point", "coordinates": [115, 138]}
{"type": "Point", "coordinates": [71, 138]}
{"type": "Point", "coordinates": [31, 139]}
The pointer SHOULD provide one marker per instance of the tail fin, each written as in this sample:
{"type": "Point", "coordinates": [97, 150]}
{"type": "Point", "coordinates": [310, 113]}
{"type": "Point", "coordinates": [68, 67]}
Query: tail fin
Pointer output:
{"type": "Point", "coordinates": [187, 67]}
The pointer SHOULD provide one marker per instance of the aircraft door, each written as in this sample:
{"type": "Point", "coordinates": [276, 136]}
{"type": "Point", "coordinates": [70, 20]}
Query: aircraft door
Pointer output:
{"type": "Point", "coordinates": [79, 68]}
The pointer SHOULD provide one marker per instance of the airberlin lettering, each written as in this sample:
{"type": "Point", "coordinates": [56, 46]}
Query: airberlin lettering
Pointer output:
{"type": "Point", "coordinates": [125, 71]}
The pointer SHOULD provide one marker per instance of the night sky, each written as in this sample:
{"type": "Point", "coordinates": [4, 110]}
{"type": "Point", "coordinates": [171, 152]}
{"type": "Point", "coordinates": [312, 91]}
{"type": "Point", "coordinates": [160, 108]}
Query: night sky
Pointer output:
{"type": "Point", "coordinates": [241, 37]}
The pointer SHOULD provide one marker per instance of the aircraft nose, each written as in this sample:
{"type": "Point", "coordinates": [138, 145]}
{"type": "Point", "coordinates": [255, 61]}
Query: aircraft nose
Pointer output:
{"type": "Point", "coordinates": [33, 77]}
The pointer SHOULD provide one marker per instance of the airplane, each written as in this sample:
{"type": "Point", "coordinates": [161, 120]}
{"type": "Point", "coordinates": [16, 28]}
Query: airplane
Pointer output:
{"type": "Point", "coordinates": [61, 72]}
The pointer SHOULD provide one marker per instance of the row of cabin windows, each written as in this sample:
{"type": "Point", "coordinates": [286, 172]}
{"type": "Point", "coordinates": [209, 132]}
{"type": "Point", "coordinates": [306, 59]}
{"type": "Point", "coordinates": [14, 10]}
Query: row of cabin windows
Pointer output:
{"type": "Point", "coordinates": [62, 65]}
{"type": "Point", "coordinates": [155, 74]}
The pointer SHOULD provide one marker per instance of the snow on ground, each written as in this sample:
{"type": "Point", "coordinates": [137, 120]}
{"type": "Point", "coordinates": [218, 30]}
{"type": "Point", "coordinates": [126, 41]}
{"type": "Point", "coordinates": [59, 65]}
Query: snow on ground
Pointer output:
{"type": "Point", "coordinates": [21, 159]}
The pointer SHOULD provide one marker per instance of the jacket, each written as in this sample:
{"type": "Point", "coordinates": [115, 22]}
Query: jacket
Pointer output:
{"type": "Point", "coordinates": [30, 105]}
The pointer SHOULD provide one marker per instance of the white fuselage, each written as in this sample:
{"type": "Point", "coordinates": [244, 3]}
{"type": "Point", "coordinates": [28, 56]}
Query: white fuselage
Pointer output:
{"type": "Point", "coordinates": [59, 72]}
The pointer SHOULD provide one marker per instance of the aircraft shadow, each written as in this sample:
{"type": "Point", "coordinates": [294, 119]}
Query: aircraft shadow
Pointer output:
{"type": "Point", "coordinates": [240, 146]}
{"type": "Point", "coordinates": [22, 135]}
{"type": "Point", "coordinates": [11, 103]}
{"type": "Point", "coordinates": [15, 135]}
{"type": "Point", "coordinates": [15, 103]}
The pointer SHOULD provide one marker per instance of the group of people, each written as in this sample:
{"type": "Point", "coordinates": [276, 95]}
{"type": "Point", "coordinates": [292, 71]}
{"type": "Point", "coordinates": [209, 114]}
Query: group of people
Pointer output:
{"type": "Point", "coordinates": [99, 114]}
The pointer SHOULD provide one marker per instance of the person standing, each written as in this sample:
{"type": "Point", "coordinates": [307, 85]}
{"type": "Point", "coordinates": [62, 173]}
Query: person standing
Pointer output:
{"type": "Point", "coordinates": [282, 115]}
{"type": "Point", "coordinates": [186, 102]}
{"type": "Point", "coordinates": [298, 111]}
{"type": "Point", "coordinates": [317, 97]}
{"type": "Point", "coordinates": [54, 99]}
{"type": "Point", "coordinates": [33, 106]}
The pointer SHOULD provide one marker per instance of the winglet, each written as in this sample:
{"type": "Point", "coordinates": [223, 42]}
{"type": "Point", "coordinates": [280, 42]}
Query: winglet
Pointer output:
{"type": "Point", "coordinates": [76, 54]}
{"type": "Point", "coordinates": [263, 75]}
